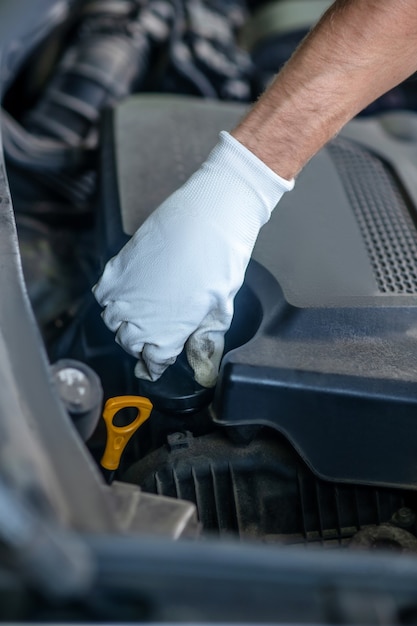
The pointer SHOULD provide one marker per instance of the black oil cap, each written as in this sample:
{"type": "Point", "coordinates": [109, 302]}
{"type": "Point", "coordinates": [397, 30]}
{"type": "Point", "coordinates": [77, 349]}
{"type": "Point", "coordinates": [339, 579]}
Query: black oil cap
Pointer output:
{"type": "Point", "coordinates": [176, 391]}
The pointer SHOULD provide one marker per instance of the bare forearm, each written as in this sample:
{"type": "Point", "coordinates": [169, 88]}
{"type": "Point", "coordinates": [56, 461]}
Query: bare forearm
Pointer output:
{"type": "Point", "coordinates": [359, 50]}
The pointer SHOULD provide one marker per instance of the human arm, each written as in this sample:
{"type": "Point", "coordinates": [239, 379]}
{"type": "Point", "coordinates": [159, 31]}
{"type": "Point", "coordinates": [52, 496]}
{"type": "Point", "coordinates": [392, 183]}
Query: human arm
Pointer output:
{"type": "Point", "coordinates": [174, 283]}
{"type": "Point", "coordinates": [359, 50]}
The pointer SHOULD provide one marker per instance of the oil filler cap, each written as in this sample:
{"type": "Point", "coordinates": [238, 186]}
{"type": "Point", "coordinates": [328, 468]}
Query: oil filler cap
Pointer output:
{"type": "Point", "coordinates": [176, 392]}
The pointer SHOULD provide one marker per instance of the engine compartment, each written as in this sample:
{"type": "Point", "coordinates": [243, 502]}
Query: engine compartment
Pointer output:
{"type": "Point", "coordinates": [320, 352]}
{"type": "Point", "coordinates": [309, 438]}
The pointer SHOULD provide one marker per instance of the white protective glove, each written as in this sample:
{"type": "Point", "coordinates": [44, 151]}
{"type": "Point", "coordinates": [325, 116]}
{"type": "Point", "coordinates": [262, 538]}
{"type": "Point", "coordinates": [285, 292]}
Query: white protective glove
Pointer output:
{"type": "Point", "coordinates": [174, 282]}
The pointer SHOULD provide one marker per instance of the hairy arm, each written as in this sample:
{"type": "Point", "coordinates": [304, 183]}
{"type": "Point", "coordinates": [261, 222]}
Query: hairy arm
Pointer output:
{"type": "Point", "coordinates": [359, 50]}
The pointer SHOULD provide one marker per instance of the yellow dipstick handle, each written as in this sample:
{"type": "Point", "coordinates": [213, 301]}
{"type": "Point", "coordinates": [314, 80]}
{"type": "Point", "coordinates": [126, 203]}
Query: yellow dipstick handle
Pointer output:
{"type": "Point", "coordinates": [118, 436]}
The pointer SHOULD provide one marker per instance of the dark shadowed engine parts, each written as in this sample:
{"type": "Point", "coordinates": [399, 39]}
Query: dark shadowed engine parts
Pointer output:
{"type": "Point", "coordinates": [263, 490]}
{"type": "Point", "coordinates": [114, 49]}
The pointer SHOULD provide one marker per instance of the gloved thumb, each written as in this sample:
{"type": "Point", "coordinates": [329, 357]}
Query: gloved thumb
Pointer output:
{"type": "Point", "coordinates": [204, 350]}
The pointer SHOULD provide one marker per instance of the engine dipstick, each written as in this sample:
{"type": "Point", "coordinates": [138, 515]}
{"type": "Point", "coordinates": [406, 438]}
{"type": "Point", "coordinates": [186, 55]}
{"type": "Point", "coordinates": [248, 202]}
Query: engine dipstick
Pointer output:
{"type": "Point", "coordinates": [119, 436]}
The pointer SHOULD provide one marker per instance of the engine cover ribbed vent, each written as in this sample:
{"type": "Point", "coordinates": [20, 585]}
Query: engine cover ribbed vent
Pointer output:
{"type": "Point", "coordinates": [261, 490]}
{"type": "Point", "coordinates": [382, 214]}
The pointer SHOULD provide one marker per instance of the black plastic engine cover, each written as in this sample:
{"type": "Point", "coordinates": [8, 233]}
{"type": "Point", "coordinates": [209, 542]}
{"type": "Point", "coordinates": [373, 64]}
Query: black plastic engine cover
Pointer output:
{"type": "Point", "coordinates": [333, 364]}
{"type": "Point", "coordinates": [329, 357]}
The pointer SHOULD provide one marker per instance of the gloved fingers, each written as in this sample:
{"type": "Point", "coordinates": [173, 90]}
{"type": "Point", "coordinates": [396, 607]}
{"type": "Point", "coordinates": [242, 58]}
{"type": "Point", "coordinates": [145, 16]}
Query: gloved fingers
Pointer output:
{"type": "Point", "coordinates": [152, 360]}
{"type": "Point", "coordinates": [115, 314]}
{"type": "Point", "coordinates": [150, 365]}
{"type": "Point", "coordinates": [129, 337]}
{"type": "Point", "coordinates": [115, 283]}
{"type": "Point", "coordinates": [204, 351]}
{"type": "Point", "coordinates": [101, 289]}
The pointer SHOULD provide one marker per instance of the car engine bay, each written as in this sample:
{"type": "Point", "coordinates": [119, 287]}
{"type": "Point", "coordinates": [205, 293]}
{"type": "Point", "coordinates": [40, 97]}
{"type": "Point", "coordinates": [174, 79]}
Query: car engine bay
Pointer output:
{"type": "Point", "coordinates": [308, 438]}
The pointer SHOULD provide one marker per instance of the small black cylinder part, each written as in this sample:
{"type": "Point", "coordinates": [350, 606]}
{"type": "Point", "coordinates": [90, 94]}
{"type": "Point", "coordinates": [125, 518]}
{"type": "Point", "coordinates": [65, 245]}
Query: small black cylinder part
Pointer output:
{"type": "Point", "coordinates": [80, 390]}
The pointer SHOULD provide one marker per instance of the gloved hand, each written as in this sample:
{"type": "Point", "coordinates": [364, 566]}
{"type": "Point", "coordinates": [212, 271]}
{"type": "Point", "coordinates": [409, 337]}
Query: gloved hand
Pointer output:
{"type": "Point", "coordinates": [174, 282]}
